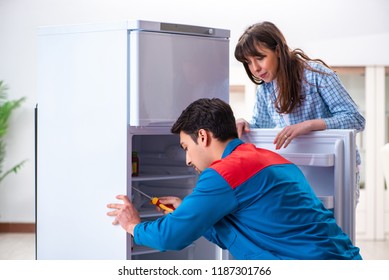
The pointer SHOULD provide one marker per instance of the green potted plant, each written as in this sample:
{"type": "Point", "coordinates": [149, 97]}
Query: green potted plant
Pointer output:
{"type": "Point", "coordinates": [6, 108]}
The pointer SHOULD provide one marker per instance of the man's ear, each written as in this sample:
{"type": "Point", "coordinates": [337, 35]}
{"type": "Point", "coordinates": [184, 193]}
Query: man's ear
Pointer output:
{"type": "Point", "coordinates": [203, 137]}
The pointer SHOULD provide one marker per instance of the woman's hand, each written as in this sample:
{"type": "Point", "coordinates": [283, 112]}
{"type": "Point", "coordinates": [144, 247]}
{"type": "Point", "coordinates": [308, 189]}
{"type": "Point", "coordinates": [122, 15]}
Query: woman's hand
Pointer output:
{"type": "Point", "coordinates": [288, 133]}
{"type": "Point", "coordinates": [242, 126]}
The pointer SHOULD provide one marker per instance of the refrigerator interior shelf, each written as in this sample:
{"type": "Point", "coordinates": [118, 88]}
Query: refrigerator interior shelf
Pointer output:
{"type": "Point", "coordinates": [149, 213]}
{"type": "Point", "coordinates": [174, 152]}
{"type": "Point", "coordinates": [142, 250]}
{"type": "Point", "coordinates": [306, 159]}
{"type": "Point", "coordinates": [142, 178]}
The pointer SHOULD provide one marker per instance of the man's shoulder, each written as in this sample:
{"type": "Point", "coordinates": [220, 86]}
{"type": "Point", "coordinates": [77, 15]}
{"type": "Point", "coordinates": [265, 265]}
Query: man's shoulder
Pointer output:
{"type": "Point", "coordinates": [245, 162]}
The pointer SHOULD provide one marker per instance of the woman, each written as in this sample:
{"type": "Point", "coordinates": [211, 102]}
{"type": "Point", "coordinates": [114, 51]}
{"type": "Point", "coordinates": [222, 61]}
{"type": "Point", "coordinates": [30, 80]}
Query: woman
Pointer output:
{"type": "Point", "coordinates": [295, 93]}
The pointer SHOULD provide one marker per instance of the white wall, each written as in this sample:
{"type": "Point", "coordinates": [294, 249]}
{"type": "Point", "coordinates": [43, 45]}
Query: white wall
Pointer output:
{"type": "Point", "coordinates": [348, 32]}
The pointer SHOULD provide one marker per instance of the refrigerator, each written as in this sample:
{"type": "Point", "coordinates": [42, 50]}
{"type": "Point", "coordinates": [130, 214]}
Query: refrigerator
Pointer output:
{"type": "Point", "coordinates": [104, 91]}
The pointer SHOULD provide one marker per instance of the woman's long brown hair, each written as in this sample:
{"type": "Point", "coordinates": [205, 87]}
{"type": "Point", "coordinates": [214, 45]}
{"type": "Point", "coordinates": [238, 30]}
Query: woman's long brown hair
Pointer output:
{"type": "Point", "coordinates": [291, 62]}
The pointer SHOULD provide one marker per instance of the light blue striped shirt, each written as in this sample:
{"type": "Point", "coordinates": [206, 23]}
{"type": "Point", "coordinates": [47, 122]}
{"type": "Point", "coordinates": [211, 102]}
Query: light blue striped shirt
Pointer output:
{"type": "Point", "coordinates": [325, 98]}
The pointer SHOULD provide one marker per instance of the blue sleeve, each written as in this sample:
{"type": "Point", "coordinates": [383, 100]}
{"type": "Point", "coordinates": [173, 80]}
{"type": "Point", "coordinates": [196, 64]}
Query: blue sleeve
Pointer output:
{"type": "Point", "coordinates": [211, 200]}
{"type": "Point", "coordinates": [261, 115]}
{"type": "Point", "coordinates": [344, 111]}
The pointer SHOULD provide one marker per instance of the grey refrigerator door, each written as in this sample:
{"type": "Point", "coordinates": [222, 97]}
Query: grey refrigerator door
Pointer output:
{"type": "Point", "coordinates": [167, 71]}
{"type": "Point", "coordinates": [328, 160]}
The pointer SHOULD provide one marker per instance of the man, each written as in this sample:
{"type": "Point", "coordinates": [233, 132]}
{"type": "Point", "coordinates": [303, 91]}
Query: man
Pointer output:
{"type": "Point", "coordinates": [251, 201]}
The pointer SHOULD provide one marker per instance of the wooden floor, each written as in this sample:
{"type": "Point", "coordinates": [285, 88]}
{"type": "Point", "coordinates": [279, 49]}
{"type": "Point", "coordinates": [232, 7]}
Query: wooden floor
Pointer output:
{"type": "Point", "coordinates": [21, 246]}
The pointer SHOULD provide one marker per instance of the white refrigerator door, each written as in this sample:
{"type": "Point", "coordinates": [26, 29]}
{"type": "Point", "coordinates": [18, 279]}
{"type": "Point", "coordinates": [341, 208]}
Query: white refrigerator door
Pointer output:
{"type": "Point", "coordinates": [169, 71]}
{"type": "Point", "coordinates": [82, 141]}
{"type": "Point", "coordinates": [328, 160]}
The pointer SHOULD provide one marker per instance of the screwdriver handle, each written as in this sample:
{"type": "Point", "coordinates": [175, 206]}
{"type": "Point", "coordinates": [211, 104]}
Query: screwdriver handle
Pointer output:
{"type": "Point", "coordinates": [168, 208]}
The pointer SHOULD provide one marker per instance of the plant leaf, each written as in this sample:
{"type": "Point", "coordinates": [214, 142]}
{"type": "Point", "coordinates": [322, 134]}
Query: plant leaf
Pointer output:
{"type": "Point", "coordinates": [14, 169]}
{"type": "Point", "coordinates": [6, 108]}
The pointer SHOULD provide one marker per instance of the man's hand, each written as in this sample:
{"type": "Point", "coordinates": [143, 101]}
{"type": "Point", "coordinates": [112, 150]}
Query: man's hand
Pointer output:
{"type": "Point", "coordinates": [169, 200]}
{"type": "Point", "coordinates": [125, 214]}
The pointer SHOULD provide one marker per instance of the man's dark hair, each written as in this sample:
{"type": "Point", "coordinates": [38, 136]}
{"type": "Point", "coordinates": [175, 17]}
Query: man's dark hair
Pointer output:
{"type": "Point", "coordinates": [213, 115]}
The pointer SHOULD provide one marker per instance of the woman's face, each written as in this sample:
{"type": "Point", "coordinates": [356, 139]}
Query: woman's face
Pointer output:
{"type": "Point", "coordinates": [265, 66]}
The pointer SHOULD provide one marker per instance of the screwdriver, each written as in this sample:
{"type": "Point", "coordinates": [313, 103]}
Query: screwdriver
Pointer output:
{"type": "Point", "coordinates": [155, 201]}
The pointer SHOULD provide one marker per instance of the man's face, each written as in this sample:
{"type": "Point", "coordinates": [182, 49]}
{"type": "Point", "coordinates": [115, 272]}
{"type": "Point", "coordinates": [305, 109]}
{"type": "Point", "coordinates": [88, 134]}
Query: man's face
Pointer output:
{"type": "Point", "coordinates": [197, 154]}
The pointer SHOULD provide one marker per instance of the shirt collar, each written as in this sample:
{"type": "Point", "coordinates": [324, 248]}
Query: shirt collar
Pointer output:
{"type": "Point", "coordinates": [231, 146]}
